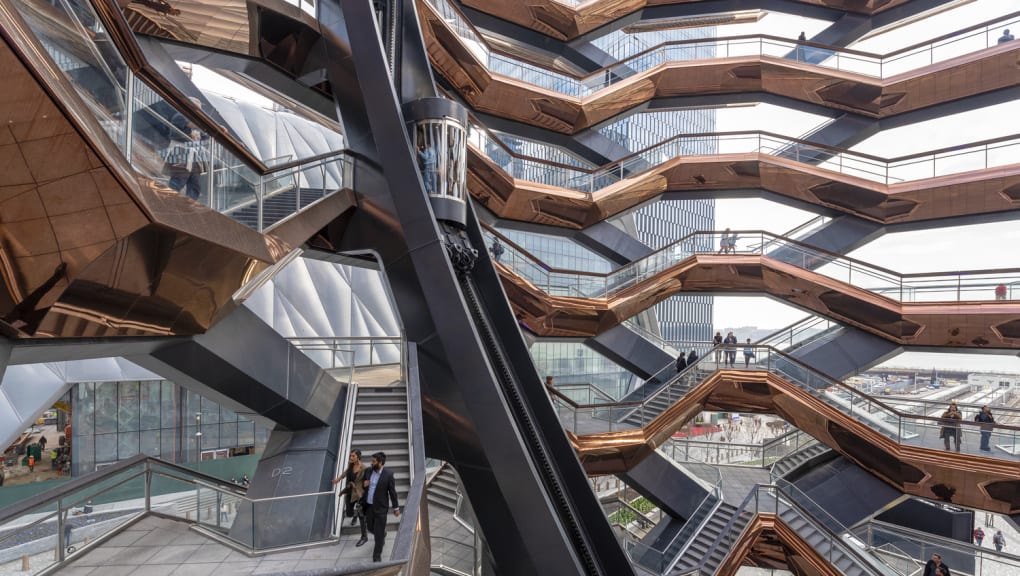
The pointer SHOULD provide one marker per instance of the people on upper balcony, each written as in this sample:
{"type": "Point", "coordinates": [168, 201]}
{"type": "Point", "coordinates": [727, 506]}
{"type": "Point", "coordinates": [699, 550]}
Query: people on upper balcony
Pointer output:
{"type": "Point", "coordinates": [187, 155]}
{"type": "Point", "coordinates": [717, 341]}
{"type": "Point", "coordinates": [731, 349]}
{"type": "Point", "coordinates": [951, 426]}
{"type": "Point", "coordinates": [692, 358]}
{"type": "Point", "coordinates": [1006, 36]}
{"type": "Point", "coordinates": [681, 363]}
{"type": "Point", "coordinates": [724, 242]}
{"type": "Point", "coordinates": [748, 352]}
{"type": "Point", "coordinates": [497, 249]}
{"type": "Point", "coordinates": [801, 50]}
{"type": "Point", "coordinates": [987, 421]}
{"type": "Point", "coordinates": [1000, 292]}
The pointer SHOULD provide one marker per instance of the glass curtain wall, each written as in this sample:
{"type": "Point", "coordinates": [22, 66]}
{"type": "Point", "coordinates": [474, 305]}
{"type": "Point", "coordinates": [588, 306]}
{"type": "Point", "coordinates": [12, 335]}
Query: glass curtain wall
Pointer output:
{"type": "Point", "coordinates": [116, 420]}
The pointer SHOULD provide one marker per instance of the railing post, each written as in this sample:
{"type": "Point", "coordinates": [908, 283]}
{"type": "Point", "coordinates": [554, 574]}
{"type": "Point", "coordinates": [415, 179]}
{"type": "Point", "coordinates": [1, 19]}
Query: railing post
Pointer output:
{"type": "Point", "coordinates": [61, 520]}
{"type": "Point", "coordinates": [148, 486]}
{"type": "Point", "coordinates": [129, 121]}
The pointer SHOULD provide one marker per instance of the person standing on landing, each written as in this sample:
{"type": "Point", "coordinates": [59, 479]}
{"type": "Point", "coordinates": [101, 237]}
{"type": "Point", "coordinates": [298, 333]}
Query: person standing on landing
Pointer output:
{"type": "Point", "coordinates": [987, 421]}
{"type": "Point", "coordinates": [380, 487]}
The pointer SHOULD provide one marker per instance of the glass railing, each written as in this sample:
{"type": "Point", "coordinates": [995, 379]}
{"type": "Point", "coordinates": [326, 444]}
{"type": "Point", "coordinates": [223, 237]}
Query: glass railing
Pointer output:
{"type": "Point", "coordinates": [345, 351]}
{"type": "Point", "coordinates": [967, 286]}
{"type": "Point", "coordinates": [909, 550]}
{"type": "Point", "coordinates": [799, 333]}
{"type": "Point", "coordinates": [757, 455]}
{"type": "Point", "coordinates": [452, 557]}
{"type": "Point", "coordinates": [659, 558]}
{"type": "Point", "coordinates": [822, 533]}
{"type": "Point", "coordinates": [158, 140]}
{"type": "Point", "coordinates": [968, 41]}
{"type": "Point", "coordinates": [921, 430]}
{"type": "Point", "coordinates": [87, 510]}
{"type": "Point", "coordinates": [964, 158]}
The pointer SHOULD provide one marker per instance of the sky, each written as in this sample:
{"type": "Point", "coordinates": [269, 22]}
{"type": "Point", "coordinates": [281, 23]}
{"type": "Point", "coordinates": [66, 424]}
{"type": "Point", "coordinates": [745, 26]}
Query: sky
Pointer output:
{"type": "Point", "coordinates": [945, 249]}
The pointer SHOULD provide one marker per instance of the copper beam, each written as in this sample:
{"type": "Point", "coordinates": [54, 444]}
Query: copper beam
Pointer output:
{"type": "Point", "coordinates": [965, 324]}
{"type": "Point", "coordinates": [975, 73]}
{"type": "Point", "coordinates": [975, 192]}
{"type": "Point", "coordinates": [564, 22]}
{"type": "Point", "coordinates": [88, 247]}
{"type": "Point", "coordinates": [969, 480]}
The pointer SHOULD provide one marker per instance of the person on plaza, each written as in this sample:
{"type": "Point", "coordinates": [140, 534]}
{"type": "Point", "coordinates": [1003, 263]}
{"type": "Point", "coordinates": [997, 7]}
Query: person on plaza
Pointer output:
{"type": "Point", "coordinates": [681, 363]}
{"type": "Point", "coordinates": [935, 566]}
{"type": "Point", "coordinates": [717, 341]}
{"type": "Point", "coordinates": [354, 492]}
{"type": "Point", "coordinates": [731, 349]}
{"type": "Point", "coordinates": [979, 535]}
{"type": "Point", "coordinates": [987, 421]}
{"type": "Point", "coordinates": [999, 541]}
{"type": "Point", "coordinates": [951, 426]}
{"type": "Point", "coordinates": [380, 488]}
{"type": "Point", "coordinates": [1000, 292]}
{"type": "Point", "coordinates": [224, 512]}
{"type": "Point", "coordinates": [42, 443]}
{"type": "Point", "coordinates": [244, 481]}
{"type": "Point", "coordinates": [497, 249]}
{"type": "Point", "coordinates": [748, 353]}
{"type": "Point", "coordinates": [1006, 37]}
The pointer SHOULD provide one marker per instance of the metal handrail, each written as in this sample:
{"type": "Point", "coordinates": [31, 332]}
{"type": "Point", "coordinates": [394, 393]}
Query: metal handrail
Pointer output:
{"type": "Point", "coordinates": [897, 280]}
{"type": "Point", "coordinates": [623, 63]}
{"type": "Point", "coordinates": [930, 539]}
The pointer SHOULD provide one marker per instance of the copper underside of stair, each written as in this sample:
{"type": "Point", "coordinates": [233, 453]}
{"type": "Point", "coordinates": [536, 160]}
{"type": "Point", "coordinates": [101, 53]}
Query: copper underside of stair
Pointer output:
{"type": "Point", "coordinates": [965, 479]}
{"type": "Point", "coordinates": [979, 324]}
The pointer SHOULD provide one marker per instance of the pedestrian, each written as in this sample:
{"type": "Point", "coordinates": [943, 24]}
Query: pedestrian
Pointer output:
{"type": "Point", "coordinates": [731, 349]}
{"type": "Point", "coordinates": [987, 421]}
{"type": "Point", "coordinates": [548, 381]}
{"type": "Point", "coordinates": [692, 358]}
{"type": "Point", "coordinates": [186, 158]}
{"type": "Point", "coordinates": [42, 443]}
{"type": "Point", "coordinates": [233, 480]}
{"type": "Point", "coordinates": [354, 492]}
{"type": "Point", "coordinates": [68, 527]}
{"type": "Point", "coordinates": [733, 243]}
{"type": "Point", "coordinates": [801, 50]}
{"type": "Point", "coordinates": [31, 463]}
{"type": "Point", "coordinates": [224, 512]}
{"type": "Point", "coordinates": [979, 535]}
{"type": "Point", "coordinates": [951, 426]}
{"type": "Point", "coordinates": [935, 566]}
{"type": "Point", "coordinates": [1000, 292]}
{"type": "Point", "coordinates": [717, 342]}
{"type": "Point", "coordinates": [1006, 36]}
{"type": "Point", "coordinates": [244, 481]}
{"type": "Point", "coordinates": [381, 488]}
{"type": "Point", "coordinates": [724, 242]}
{"type": "Point", "coordinates": [748, 352]}
{"type": "Point", "coordinates": [428, 163]}
{"type": "Point", "coordinates": [999, 540]}
{"type": "Point", "coordinates": [681, 363]}
{"type": "Point", "coordinates": [497, 249]}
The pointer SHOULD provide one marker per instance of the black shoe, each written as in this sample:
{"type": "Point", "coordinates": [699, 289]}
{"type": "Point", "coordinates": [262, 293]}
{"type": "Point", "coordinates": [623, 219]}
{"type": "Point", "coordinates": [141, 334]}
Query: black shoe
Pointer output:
{"type": "Point", "coordinates": [361, 542]}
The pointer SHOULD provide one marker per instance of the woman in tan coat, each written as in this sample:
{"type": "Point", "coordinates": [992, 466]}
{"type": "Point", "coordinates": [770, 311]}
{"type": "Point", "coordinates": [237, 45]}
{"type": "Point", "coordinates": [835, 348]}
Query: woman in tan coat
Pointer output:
{"type": "Point", "coordinates": [353, 492]}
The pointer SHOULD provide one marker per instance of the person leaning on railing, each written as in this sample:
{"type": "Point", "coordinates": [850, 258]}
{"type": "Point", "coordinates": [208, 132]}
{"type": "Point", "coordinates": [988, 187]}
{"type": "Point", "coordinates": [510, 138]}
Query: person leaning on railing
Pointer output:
{"type": "Point", "coordinates": [951, 426]}
{"type": "Point", "coordinates": [987, 421]}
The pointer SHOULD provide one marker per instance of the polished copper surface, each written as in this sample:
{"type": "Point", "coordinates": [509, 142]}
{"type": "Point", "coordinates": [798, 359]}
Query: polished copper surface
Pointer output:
{"type": "Point", "coordinates": [565, 22]}
{"type": "Point", "coordinates": [965, 479]}
{"type": "Point", "coordinates": [975, 192]}
{"type": "Point", "coordinates": [767, 542]}
{"type": "Point", "coordinates": [89, 248]}
{"type": "Point", "coordinates": [975, 73]}
{"type": "Point", "coordinates": [984, 324]}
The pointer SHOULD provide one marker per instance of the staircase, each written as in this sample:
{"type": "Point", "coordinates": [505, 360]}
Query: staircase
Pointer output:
{"type": "Point", "coordinates": [792, 462]}
{"type": "Point", "coordinates": [674, 390]}
{"type": "Point", "coordinates": [380, 425]}
{"type": "Point", "coordinates": [701, 547]}
{"type": "Point", "coordinates": [444, 489]}
{"type": "Point", "coordinates": [822, 543]}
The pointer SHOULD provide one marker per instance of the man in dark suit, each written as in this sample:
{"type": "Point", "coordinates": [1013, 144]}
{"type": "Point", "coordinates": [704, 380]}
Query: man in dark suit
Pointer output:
{"type": "Point", "coordinates": [379, 486]}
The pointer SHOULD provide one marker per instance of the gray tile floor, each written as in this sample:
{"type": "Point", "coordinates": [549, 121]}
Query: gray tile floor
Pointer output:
{"type": "Point", "coordinates": [452, 543]}
{"type": "Point", "coordinates": [157, 546]}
